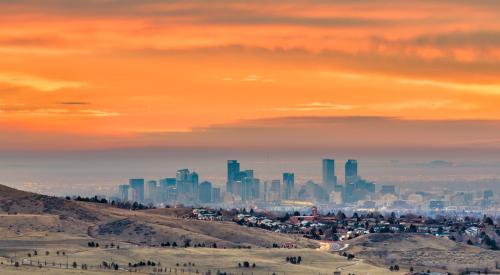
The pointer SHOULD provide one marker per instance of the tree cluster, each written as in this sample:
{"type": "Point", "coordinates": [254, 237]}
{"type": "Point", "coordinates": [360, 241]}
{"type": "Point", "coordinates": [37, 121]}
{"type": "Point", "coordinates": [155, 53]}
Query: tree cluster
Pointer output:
{"type": "Point", "coordinates": [348, 256]}
{"type": "Point", "coordinates": [394, 268]}
{"type": "Point", "coordinates": [92, 244]}
{"type": "Point", "coordinates": [246, 264]}
{"type": "Point", "coordinates": [143, 263]}
{"type": "Point", "coordinates": [294, 259]}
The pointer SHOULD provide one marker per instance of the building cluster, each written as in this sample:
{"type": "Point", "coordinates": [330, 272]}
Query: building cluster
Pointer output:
{"type": "Point", "coordinates": [243, 186]}
{"type": "Point", "coordinates": [184, 188]}
{"type": "Point", "coordinates": [435, 202]}
{"type": "Point", "coordinates": [244, 189]}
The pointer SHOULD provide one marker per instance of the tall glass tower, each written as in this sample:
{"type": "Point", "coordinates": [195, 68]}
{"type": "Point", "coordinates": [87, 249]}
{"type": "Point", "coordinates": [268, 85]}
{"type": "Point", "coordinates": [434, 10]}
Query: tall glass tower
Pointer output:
{"type": "Point", "coordinates": [137, 186]}
{"type": "Point", "coordinates": [288, 185]}
{"type": "Point", "coordinates": [233, 172]}
{"type": "Point", "coordinates": [351, 171]}
{"type": "Point", "coordinates": [329, 178]}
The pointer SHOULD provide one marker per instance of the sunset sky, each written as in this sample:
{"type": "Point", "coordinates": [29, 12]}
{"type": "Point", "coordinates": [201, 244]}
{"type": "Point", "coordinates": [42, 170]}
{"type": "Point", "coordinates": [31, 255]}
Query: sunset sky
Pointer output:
{"type": "Point", "coordinates": [103, 74]}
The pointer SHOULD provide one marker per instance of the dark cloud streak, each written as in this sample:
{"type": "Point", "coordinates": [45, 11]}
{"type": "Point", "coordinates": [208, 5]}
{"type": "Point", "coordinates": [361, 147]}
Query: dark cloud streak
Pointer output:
{"type": "Point", "coordinates": [366, 133]}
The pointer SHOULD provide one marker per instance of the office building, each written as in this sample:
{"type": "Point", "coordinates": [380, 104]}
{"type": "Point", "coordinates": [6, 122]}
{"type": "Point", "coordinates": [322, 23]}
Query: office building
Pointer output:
{"type": "Point", "coordinates": [182, 175]}
{"type": "Point", "coordinates": [250, 189]}
{"type": "Point", "coordinates": [265, 191]}
{"type": "Point", "coordinates": [233, 172]}
{"type": "Point", "coordinates": [216, 195]}
{"type": "Point", "coordinates": [488, 194]}
{"type": "Point", "coordinates": [168, 182]}
{"type": "Point", "coordinates": [329, 178]}
{"type": "Point", "coordinates": [137, 190]}
{"type": "Point", "coordinates": [151, 191]}
{"type": "Point", "coordinates": [275, 191]}
{"type": "Point", "coordinates": [167, 185]}
{"type": "Point", "coordinates": [205, 192]}
{"type": "Point", "coordinates": [288, 185]}
{"type": "Point", "coordinates": [194, 184]}
{"type": "Point", "coordinates": [351, 171]}
{"type": "Point", "coordinates": [123, 192]}
{"type": "Point", "coordinates": [362, 184]}
{"type": "Point", "coordinates": [187, 185]}
{"type": "Point", "coordinates": [388, 189]}
{"type": "Point", "coordinates": [246, 174]}
{"type": "Point", "coordinates": [256, 189]}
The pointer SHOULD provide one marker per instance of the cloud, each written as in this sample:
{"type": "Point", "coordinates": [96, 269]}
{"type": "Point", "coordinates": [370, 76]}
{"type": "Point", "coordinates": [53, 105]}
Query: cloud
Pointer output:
{"type": "Point", "coordinates": [486, 89]}
{"type": "Point", "coordinates": [410, 39]}
{"type": "Point", "coordinates": [424, 105]}
{"type": "Point", "coordinates": [256, 78]}
{"type": "Point", "coordinates": [315, 106]}
{"type": "Point", "coordinates": [259, 19]}
{"type": "Point", "coordinates": [158, 55]}
{"type": "Point", "coordinates": [55, 112]}
{"type": "Point", "coordinates": [444, 40]}
{"type": "Point", "coordinates": [339, 133]}
{"type": "Point", "coordinates": [479, 76]}
{"type": "Point", "coordinates": [98, 113]}
{"type": "Point", "coordinates": [39, 83]}
{"type": "Point", "coordinates": [74, 103]}
{"type": "Point", "coordinates": [393, 106]}
{"type": "Point", "coordinates": [37, 41]}
{"type": "Point", "coordinates": [201, 12]}
{"type": "Point", "coordinates": [43, 51]}
{"type": "Point", "coordinates": [297, 12]}
{"type": "Point", "coordinates": [479, 88]}
{"type": "Point", "coordinates": [470, 46]}
{"type": "Point", "coordinates": [252, 78]}
{"type": "Point", "coordinates": [347, 135]}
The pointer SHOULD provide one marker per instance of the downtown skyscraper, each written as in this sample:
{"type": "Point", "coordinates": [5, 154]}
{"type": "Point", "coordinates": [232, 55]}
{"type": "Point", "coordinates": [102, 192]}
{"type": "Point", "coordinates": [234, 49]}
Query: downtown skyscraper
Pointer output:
{"type": "Point", "coordinates": [329, 178]}
{"type": "Point", "coordinates": [233, 174]}
{"type": "Point", "coordinates": [288, 185]}
{"type": "Point", "coordinates": [351, 171]}
{"type": "Point", "coordinates": [137, 188]}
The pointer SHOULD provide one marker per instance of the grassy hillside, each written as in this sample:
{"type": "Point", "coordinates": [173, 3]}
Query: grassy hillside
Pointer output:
{"type": "Point", "coordinates": [267, 261]}
{"type": "Point", "coordinates": [27, 213]}
{"type": "Point", "coordinates": [421, 251]}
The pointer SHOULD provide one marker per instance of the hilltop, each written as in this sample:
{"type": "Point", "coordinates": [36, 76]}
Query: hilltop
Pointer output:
{"type": "Point", "coordinates": [8, 193]}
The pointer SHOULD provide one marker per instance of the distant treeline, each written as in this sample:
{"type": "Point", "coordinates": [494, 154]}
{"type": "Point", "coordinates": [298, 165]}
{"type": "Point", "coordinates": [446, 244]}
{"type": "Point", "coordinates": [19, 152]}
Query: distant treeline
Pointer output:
{"type": "Point", "coordinates": [118, 204]}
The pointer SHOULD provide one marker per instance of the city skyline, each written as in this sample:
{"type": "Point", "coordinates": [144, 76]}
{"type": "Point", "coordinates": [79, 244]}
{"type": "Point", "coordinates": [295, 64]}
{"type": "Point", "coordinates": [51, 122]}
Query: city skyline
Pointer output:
{"type": "Point", "coordinates": [186, 185]}
{"type": "Point", "coordinates": [244, 188]}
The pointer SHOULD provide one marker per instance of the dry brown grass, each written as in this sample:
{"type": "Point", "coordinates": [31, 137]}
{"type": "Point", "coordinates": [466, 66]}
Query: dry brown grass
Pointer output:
{"type": "Point", "coordinates": [422, 252]}
{"type": "Point", "coordinates": [267, 261]}
{"type": "Point", "coordinates": [38, 214]}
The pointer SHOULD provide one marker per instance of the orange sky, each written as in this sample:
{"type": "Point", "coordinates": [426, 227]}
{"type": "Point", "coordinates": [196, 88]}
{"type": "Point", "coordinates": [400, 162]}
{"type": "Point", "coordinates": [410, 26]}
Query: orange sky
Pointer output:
{"type": "Point", "coordinates": [101, 74]}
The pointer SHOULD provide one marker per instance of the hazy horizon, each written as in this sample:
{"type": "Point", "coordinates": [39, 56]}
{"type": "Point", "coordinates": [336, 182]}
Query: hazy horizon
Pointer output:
{"type": "Point", "coordinates": [61, 173]}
